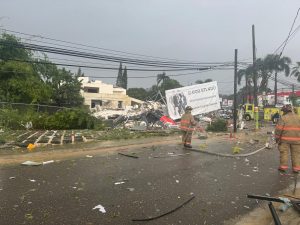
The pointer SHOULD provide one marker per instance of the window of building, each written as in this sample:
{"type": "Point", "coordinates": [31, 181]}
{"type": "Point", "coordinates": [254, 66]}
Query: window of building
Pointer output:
{"type": "Point", "coordinates": [91, 89]}
{"type": "Point", "coordinates": [94, 103]}
{"type": "Point", "coordinates": [120, 104]}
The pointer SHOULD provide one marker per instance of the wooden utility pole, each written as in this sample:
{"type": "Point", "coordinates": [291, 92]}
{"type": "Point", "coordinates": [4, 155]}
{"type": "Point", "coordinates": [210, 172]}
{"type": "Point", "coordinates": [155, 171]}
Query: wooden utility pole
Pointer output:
{"type": "Point", "coordinates": [235, 91]}
{"type": "Point", "coordinates": [254, 67]}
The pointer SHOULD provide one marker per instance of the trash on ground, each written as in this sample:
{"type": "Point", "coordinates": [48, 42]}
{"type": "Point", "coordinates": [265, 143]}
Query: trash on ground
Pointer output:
{"type": "Point", "coordinates": [236, 150]}
{"type": "Point", "coordinates": [130, 189]}
{"type": "Point", "coordinates": [48, 162]}
{"type": "Point", "coordinates": [120, 182]}
{"type": "Point", "coordinates": [31, 163]}
{"type": "Point", "coordinates": [128, 155]}
{"type": "Point", "coordinates": [11, 178]}
{"type": "Point", "coordinates": [30, 147]}
{"type": "Point", "coordinates": [100, 208]}
{"type": "Point", "coordinates": [245, 175]}
{"type": "Point", "coordinates": [89, 156]}
{"type": "Point", "coordinates": [32, 180]}
{"type": "Point", "coordinates": [167, 213]}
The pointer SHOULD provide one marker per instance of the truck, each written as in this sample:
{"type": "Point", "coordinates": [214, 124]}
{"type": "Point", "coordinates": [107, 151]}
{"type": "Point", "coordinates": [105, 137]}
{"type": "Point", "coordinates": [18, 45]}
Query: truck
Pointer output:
{"type": "Point", "coordinates": [266, 112]}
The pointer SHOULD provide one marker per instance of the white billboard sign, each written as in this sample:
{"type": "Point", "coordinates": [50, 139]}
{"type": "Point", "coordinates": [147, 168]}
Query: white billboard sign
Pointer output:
{"type": "Point", "coordinates": [203, 98]}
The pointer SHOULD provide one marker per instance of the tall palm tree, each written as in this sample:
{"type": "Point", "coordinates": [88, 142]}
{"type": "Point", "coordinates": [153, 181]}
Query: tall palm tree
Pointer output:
{"type": "Point", "coordinates": [296, 71]}
{"type": "Point", "coordinates": [263, 73]}
{"type": "Point", "coordinates": [276, 63]}
{"type": "Point", "coordinates": [162, 77]}
{"type": "Point", "coordinates": [247, 73]}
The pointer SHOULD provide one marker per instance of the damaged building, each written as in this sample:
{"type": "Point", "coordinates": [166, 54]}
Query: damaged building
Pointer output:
{"type": "Point", "coordinates": [98, 95]}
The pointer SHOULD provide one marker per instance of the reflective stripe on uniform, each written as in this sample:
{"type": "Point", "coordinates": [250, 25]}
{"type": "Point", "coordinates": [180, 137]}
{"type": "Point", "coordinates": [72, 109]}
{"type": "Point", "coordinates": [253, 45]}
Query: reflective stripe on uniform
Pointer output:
{"type": "Point", "coordinates": [185, 121]}
{"type": "Point", "coordinates": [288, 138]}
{"type": "Point", "coordinates": [186, 128]}
{"type": "Point", "coordinates": [296, 168]}
{"type": "Point", "coordinates": [287, 128]}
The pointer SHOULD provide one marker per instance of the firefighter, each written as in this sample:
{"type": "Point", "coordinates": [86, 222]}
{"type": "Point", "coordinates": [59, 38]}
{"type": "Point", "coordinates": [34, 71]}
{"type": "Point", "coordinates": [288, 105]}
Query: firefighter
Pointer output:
{"type": "Point", "coordinates": [287, 134]}
{"type": "Point", "coordinates": [186, 125]}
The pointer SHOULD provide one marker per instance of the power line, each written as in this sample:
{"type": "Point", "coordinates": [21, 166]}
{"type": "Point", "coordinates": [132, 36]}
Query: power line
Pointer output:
{"type": "Point", "coordinates": [103, 68]}
{"type": "Point", "coordinates": [105, 49]}
{"type": "Point", "coordinates": [293, 34]}
{"type": "Point", "coordinates": [286, 40]}
{"type": "Point", "coordinates": [68, 52]}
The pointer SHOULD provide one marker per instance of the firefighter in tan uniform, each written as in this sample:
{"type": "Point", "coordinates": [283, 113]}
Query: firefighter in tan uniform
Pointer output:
{"type": "Point", "coordinates": [187, 124]}
{"type": "Point", "coordinates": [287, 134]}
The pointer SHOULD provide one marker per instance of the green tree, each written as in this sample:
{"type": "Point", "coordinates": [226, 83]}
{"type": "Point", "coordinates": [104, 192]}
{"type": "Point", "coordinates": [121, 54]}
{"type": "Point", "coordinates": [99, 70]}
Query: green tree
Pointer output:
{"type": "Point", "coordinates": [138, 93]}
{"type": "Point", "coordinates": [19, 81]}
{"type": "Point", "coordinates": [247, 74]}
{"type": "Point", "coordinates": [119, 81]}
{"type": "Point", "coordinates": [205, 81]}
{"type": "Point", "coordinates": [169, 84]}
{"type": "Point", "coordinates": [124, 79]}
{"type": "Point", "coordinates": [79, 73]}
{"type": "Point", "coordinates": [161, 78]}
{"type": "Point", "coordinates": [296, 71]}
{"type": "Point", "coordinates": [9, 49]}
{"type": "Point", "coordinates": [276, 63]}
{"type": "Point", "coordinates": [66, 89]}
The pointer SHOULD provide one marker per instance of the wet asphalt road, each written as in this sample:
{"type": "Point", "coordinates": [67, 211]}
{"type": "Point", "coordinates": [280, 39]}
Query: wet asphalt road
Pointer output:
{"type": "Point", "coordinates": [65, 192]}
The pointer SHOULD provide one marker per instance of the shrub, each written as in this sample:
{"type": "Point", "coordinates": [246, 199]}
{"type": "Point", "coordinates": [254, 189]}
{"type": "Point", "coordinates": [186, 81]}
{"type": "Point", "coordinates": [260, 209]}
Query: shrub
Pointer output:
{"type": "Point", "coordinates": [216, 126]}
{"type": "Point", "coordinates": [76, 118]}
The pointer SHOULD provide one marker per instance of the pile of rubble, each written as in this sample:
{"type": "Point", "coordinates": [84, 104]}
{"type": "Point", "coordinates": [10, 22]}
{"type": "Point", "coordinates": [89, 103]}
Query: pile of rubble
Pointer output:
{"type": "Point", "coordinates": [150, 115]}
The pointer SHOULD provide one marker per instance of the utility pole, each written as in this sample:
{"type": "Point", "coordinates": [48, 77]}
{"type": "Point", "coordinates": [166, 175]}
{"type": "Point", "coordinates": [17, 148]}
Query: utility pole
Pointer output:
{"type": "Point", "coordinates": [293, 95]}
{"type": "Point", "coordinates": [275, 88]}
{"type": "Point", "coordinates": [254, 67]}
{"type": "Point", "coordinates": [235, 91]}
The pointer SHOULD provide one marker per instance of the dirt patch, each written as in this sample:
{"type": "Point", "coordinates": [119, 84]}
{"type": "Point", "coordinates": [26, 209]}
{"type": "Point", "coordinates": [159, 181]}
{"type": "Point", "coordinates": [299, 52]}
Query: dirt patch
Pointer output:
{"type": "Point", "coordinates": [79, 151]}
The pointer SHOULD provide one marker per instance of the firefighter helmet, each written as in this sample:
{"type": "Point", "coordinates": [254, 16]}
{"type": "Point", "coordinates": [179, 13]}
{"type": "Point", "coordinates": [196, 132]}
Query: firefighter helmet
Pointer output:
{"type": "Point", "coordinates": [286, 108]}
{"type": "Point", "coordinates": [188, 108]}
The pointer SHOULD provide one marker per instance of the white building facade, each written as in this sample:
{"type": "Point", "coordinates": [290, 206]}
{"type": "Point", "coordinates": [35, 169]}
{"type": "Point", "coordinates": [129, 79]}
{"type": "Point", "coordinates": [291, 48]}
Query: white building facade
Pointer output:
{"type": "Point", "coordinates": [98, 95]}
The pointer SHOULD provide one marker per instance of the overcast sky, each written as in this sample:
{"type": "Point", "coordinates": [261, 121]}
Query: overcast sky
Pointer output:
{"type": "Point", "coordinates": [197, 30]}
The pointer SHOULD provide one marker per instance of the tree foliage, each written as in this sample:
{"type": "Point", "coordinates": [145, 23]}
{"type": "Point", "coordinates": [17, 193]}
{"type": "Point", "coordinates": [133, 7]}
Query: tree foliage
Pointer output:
{"type": "Point", "coordinates": [138, 93]}
{"type": "Point", "coordinates": [265, 68]}
{"type": "Point", "coordinates": [28, 80]}
{"type": "Point", "coordinates": [205, 81]}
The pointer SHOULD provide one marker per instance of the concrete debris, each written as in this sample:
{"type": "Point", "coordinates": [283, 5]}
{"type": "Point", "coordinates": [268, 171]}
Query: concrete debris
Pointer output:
{"type": "Point", "coordinates": [48, 162]}
{"type": "Point", "coordinates": [130, 189]}
{"type": "Point", "coordinates": [100, 208]}
{"type": "Point", "coordinates": [120, 182]}
{"type": "Point", "coordinates": [31, 163]}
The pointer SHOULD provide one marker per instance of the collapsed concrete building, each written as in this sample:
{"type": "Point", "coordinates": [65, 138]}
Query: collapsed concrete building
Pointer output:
{"type": "Point", "coordinates": [98, 95]}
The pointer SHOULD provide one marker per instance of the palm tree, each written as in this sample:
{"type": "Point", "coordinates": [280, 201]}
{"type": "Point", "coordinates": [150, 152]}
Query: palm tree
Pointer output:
{"type": "Point", "coordinates": [202, 82]}
{"type": "Point", "coordinates": [276, 63]}
{"type": "Point", "coordinates": [296, 71]}
{"type": "Point", "coordinates": [161, 78]}
{"type": "Point", "coordinates": [263, 73]}
{"type": "Point", "coordinates": [247, 73]}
